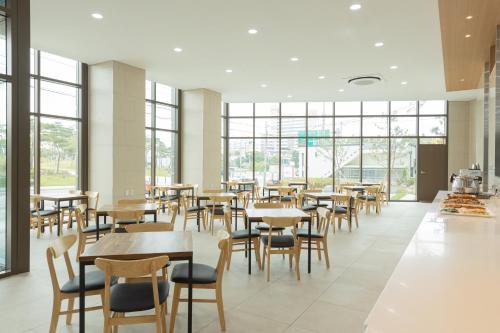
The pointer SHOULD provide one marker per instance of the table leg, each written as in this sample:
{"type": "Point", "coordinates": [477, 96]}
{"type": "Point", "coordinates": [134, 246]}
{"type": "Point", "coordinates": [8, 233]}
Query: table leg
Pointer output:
{"type": "Point", "coordinates": [268, 195]}
{"type": "Point", "coordinates": [87, 213]}
{"type": "Point", "coordinates": [317, 215]}
{"type": "Point", "coordinates": [192, 196]}
{"type": "Point", "coordinates": [249, 247]}
{"type": "Point", "coordinates": [58, 218]}
{"type": "Point", "coordinates": [253, 192]}
{"type": "Point", "coordinates": [97, 225]}
{"type": "Point", "coordinates": [309, 246]}
{"type": "Point", "coordinates": [190, 295]}
{"type": "Point", "coordinates": [155, 216]}
{"type": "Point", "coordinates": [82, 297]}
{"type": "Point", "coordinates": [198, 213]}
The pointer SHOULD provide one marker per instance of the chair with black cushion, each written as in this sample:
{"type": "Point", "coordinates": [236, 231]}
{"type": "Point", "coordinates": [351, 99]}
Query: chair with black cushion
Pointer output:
{"type": "Point", "coordinates": [123, 299]}
{"type": "Point", "coordinates": [88, 235]}
{"type": "Point", "coordinates": [281, 244]}
{"type": "Point", "coordinates": [384, 196]}
{"type": "Point", "coordinates": [243, 201]}
{"type": "Point", "coordinates": [192, 212]}
{"type": "Point", "coordinates": [125, 217]}
{"type": "Point", "coordinates": [319, 238]}
{"type": "Point", "coordinates": [41, 217]}
{"type": "Point", "coordinates": [264, 228]}
{"type": "Point", "coordinates": [94, 282]}
{"type": "Point", "coordinates": [238, 240]}
{"type": "Point", "coordinates": [343, 209]}
{"type": "Point", "coordinates": [67, 208]}
{"type": "Point", "coordinates": [308, 205]}
{"type": "Point", "coordinates": [261, 198]}
{"type": "Point", "coordinates": [204, 277]}
{"type": "Point", "coordinates": [93, 202]}
{"type": "Point", "coordinates": [371, 198]}
{"type": "Point", "coordinates": [286, 195]}
{"type": "Point", "coordinates": [216, 212]}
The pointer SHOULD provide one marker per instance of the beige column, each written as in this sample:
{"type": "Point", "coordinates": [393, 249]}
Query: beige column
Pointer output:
{"type": "Point", "coordinates": [116, 131]}
{"type": "Point", "coordinates": [201, 138]}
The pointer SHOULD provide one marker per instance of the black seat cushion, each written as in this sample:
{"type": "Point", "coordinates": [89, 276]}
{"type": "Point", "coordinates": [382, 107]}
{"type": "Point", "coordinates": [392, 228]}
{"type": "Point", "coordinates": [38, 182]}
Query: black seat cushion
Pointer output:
{"type": "Point", "coordinates": [217, 211]}
{"type": "Point", "coordinates": [239, 208]}
{"type": "Point", "coordinates": [202, 274]}
{"type": "Point", "coordinates": [265, 227]}
{"type": "Point", "coordinates": [278, 240]}
{"type": "Point", "coordinates": [45, 212]}
{"type": "Point", "coordinates": [369, 197]}
{"type": "Point", "coordinates": [93, 281]}
{"type": "Point", "coordinates": [242, 234]}
{"type": "Point", "coordinates": [286, 198]}
{"type": "Point", "coordinates": [304, 233]}
{"type": "Point", "coordinates": [216, 205]}
{"type": "Point", "coordinates": [127, 222]}
{"type": "Point", "coordinates": [312, 207]}
{"type": "Point", "coordinates": [195, 209]}
{"type": "Point", "coordinates": [130, 297]}
{"type": "Point", "coordinates": [102, 227]}
{"type": "Point", "coordinates": [340, 210]}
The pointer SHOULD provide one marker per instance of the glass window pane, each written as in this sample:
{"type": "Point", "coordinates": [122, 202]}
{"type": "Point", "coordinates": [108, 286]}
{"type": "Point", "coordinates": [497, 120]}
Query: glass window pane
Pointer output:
{"type": "Point", "coordinates": [32, 154]}
{"type": "Point", "coordinates": [320, 109]}
{"type": "Point", "coordinates": [293, 109]}
{"type": "Point", "coordinates": [148, 90]}
{"type": "Point", "coordinates": [166, 117]}
{"type": "Point", "coordinates": [403, 169]}
{"type": "Point", "coordinates": [432, 107]}
{"type": "Point", "coordinates": [165, 157]}
{"type": "Point", "coordinates": [3, 175]}
{"type": "Point", "coordinates": [293, 127]}
{"type": "Point", "coordinates": [320, 127]}
{"type": "Point", "coordinates": [222, 159]}
{"type": "Point", "coordinates": [57, 67]}
{"type": "Point", "coordinates": [148, 156]}
{"type": "Point", "coordinates": [267, 109]}
{"type": "Point", "coordinates": [375, 126]}
{"type": "Point", "coordinates": [375, 108]}
{"type": "Point", "coordinates": [32, 95]}
{"type": "Point", "coordinates": [432, 141]}
{"type": "Point", "coordinates": [293, 160]}
{"type": "Point", "coordinates": [347, 108]}
{"type": "Point", "coordinates": [240, 127]}
{"type": "Point", "coordinates": [348, 126]}
{"type": "Point", "coordinates": [240, 159]}
{"type": "Point", "coordinates": [166, 94]}
{"type": "Point", "coordinates": [58, 99]}
{"type": "Point", "coordinates": [375, 160]}
{"type": "Point", "coordinates": [403, 126]}
{"type": "Point", "coordinates": [148, 114]}
{"type": "Point", "coordinates": [347, 160]}
{"type": "Point", "coordinates": [320, 163]}
{"type": "Point", "coordinates": [267, 166]}
{"type": "Point", "coordinates": [266, 127]}
{"type": "Point", "coordinates": [3, 44]}
{"type": "Point", "coordinates": [240, 109]}
{"type": "Point", "coordinates": [432, 126]}
{"type": "Point", "coordinates": [58, 155]}
{"type": "Point", "coordinates": [403, 108]}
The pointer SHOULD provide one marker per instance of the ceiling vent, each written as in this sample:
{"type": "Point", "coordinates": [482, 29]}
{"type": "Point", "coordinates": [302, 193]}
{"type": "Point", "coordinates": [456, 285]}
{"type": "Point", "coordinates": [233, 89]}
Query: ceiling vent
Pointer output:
{"type": "Point", "coordinates": [364, 80]}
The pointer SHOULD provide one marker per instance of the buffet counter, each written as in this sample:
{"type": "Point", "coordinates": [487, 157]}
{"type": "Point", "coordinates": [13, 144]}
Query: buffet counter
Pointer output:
{"type": "Point", "coordinates": [448, 279]}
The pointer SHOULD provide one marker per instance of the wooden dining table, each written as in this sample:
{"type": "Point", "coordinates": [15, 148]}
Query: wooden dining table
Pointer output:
{"type": "Point", "coordinates": [325, 196]}
{"type": "Point", "coordinates": [177, 245]}
{"type": "Point", "coordinates": [177, 188]}
{"type": "Point", "coordinates": [276, 188]}
{"type": "Point", "coordinates": [207, 196]}
{"type": "Point", "coordinates": [255, 215]}
{"type": "Point", "coordinates": [148, 208]}
{"type": "Point", "coordinates": [58, 198]}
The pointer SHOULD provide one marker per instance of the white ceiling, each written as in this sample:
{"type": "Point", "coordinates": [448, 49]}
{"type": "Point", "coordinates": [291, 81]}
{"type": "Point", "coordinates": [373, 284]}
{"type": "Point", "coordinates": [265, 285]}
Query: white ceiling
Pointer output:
{"type": "Point", "coordinates": [328, 38]}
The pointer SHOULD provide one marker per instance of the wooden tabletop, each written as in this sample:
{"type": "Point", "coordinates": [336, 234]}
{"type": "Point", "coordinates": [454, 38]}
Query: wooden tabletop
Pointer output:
{"type": "Point", "coordinates": [140, 245]}
{"type": "Point", "coordinates": [355, 187]}
{"type": "Point", "coordinates": [276, 187]}
{"type": "Point", "coordinates": [321, 195]}
{"type": "Point", "coordinates": [147, 207]}
{"type": "Point", "coordinates": [239, 182]}
{"type": "Point", "coordinates": [63, 197]}
{"type": "Point", "coordinates": [258, 213]}
{"type": "Point", "coordinates": [175, 187]}
{"type": "Point", "coordinates": [216, 195]}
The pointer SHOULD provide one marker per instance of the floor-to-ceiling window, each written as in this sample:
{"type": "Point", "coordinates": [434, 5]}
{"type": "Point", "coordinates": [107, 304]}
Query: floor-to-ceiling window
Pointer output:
{"type": "Point", "coordinates": [4, 82]}
{"type": "Point", "coordinates": [327, 143]}
{"type": "Point", "coordinates": [162, 133]}
{"type": "Point", "coordinates": [56, 120]}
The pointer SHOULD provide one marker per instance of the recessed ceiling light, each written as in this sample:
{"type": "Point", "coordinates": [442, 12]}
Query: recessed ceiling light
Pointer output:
{"type": "Point", "coordinates": [177, 49]}
{"type": "Point", "coordinates": [289, 96]}
{"type": "Point", "coordinates": [393, 67]}
{"type": "Point", "coordinates": [341, 90]}
{"type": "Point", "coordinates": [229, 70]}
{"type": "Point", "coordinates": [252, 31]}
{"type": "Point", "coordinates": [468, 17]}
{"type": "Point", "coordinates": [379, 44]}
{"type": "Point", "coordinates": [404, 83]}
{"type": "Point", "coordinates": [263, 85]}
{"type": "Point", "coordinates": [294, 59]}
{"type": "Point", "coordinates": [97, 16]}
{"type": "Point", "coordinates": [468, 36]}
{"type": "Point", "coordinates": [355, 7]}
{"type": "Point", "coordinates": [321, 77]}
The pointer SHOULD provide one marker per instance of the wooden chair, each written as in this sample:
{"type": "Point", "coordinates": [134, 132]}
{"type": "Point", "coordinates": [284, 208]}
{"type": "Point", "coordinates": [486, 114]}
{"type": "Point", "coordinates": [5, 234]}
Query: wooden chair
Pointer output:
{"type": "Point", "coordinates": [126, 217]}
{"type": "Point", "coordinates": [216, 212]}
{"type": "Point", "coordinates": [93, 202]}
{"type": "Point", "coordinates": [69, 207]}
{"type": "Point", "coordinates": [88, 235]}
{"type": "Point", "coordinates": [240, 238]}
{"type": "Point", "coordinates": [94, 282]}
{"type": "Point", "coordinates": [318, 238]}
{"type": "Point", "coordinates": [384, 196]}
{"type": "Point", "coordinates": [264, 228]}
{"type": "Point", "coordinates": [126, 298]}
{"type": "Point", "coordinates": [192, 212]}
{"type": "Point", "coordinates": [40, 218]}
{"type": "Point", "coordinates": [286, 195]}
{"type": "Point", "coordinates": [204, 277]}
{"type": "Point", "coordinates": [243, 201]}
{"type": "Point", "coordinates": [308, 205]}
{"type": "Point", "coordinates": [342, 205]}
{"type": "Point", "coordinates": [371, 198]}
{"type": "Point", "coordinates": [281, 244]}
{"type": "Point", "coordinates": [260, 198]}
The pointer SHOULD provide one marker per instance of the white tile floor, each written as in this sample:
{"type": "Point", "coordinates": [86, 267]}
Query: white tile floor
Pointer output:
{"type": "Point", "coordinates": [334, 300]}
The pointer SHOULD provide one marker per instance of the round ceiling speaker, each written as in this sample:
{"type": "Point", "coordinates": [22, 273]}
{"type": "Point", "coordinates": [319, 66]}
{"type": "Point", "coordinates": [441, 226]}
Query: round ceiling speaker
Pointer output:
{"type": "Point", "coordinates": [364, 80]}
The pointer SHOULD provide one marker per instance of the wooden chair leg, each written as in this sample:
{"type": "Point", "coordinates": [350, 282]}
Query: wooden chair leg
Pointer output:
{"type": "Point", "coordinates": [268, 265]}
{"type": "Point", "coordinates": [71, 303]}
{"type": "Point", "coordinates": [220, 307]}
{"type": "Point", "coordinates": [229, 255]}
{"type": "Point", "coordinates": [264, 257]}
{"type": "Point", "coordinates": [297, 260]}
{"type": "Point", "coordinates": [256, 246]}
{"type": "Point", "coordinates": [163, 318]}
{"type": "Point", "coordinates": [56, 309]}
{"type": "Point", "coordinates": [318, 249]}
{"type": "Point", "coordinates": [290, 260]}
{"type": "Point", "coordinates": [175, 306]}
{"type": "Point", "coordinates": [185, 221]}
{"type": "Point", "coordinates": [327, 257]}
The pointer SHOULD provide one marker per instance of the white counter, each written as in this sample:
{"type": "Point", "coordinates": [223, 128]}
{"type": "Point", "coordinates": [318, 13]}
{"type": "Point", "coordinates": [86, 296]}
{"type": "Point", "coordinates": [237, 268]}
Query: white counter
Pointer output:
{"type": "Point", "coordinates": [448, 279]}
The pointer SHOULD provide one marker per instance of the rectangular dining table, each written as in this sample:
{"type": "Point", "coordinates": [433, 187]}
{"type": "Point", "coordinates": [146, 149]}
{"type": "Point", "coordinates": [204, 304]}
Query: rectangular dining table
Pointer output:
{"type": "Point", "coordinates": [177, 245]}
{"type": "Point", "coordinates": [276, 188]}
{"type": "Point", "coordinates": [58, 198]}
{"type": "Point", "coordinates": [177, 188]}
{"type": "Point", "coordinates": [318, 196]}
{"type": "Point", "coordinates": [240, 184]}
{"type": "Point", "coordinates": [207, 196]}
{"type": "Point", "coordinates": [255, 215]}
{"type": "Point", "coordinates": [148, 208]}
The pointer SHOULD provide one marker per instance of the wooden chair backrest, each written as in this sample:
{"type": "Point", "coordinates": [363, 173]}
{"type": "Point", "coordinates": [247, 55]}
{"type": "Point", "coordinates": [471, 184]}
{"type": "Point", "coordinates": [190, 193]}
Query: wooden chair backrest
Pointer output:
{"type": "Point", "coordinates": [223, 245]}
{"type": "Point", "coordinates": [372, 190]}
{"type": "Point", "coordinates": [258, 205]}
{"type": "Point", "coordinates": [93, 199]}
{"type": "Point", "coordinates": [228, 220]}
{"type": "Point", "coordinates": [57, 248]}
{"type": "Point", "coordinates": [244, 197]}
{"type": "Point", "coordinates": [213, 190]}
{"type": "Point", "coordinates": [324, 220]}
{"type": "Point", "coordinates": [80, 223]}
{"type": "Point", "coordinates": [132, 201]}
{"type": "Point", "coordinates": [341, 199]}
{"type": "Point", "coordinates": [281, 222]}
{"type": "Point", "coordinates": [35, 203]}
{"type": "Point", "coordinates": [184, 201]}
{"type": "Point", "coordinates": [174, 208]}
{"type": "Point", "coordinates": [149, 227]}
{"type": "Point", "coordinates": [282, 191]}
{"type": "Point", "coordinates": [223, 199]}
{"type": "Point", "coordinates": [127, 215]}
